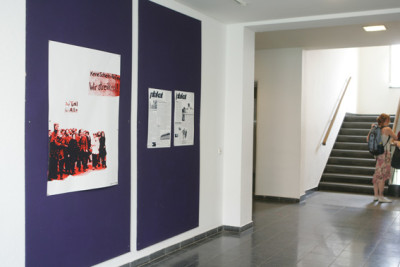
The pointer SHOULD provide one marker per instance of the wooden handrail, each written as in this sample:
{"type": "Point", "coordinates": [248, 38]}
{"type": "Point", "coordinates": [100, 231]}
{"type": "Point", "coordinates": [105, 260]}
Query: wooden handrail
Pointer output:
{"type": "Point", "coordinates": [336, 112]}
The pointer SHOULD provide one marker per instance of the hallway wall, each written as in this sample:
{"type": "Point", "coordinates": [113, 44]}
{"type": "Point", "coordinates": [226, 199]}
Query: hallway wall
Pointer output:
{"type": "Point", "coordinates": [375, 96]}
{"type": "Point", "coordinates": [297, 92]}
{"type": "Point", "coordinates": [12, 147]}
{"type": "Point", "coordinates": [278, 73]}
{"type": "Point", "coordinates": [325, 73]}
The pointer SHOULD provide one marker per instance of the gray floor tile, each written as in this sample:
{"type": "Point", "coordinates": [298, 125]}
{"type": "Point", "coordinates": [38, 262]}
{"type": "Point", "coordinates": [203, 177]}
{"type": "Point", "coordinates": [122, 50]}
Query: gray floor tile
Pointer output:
{"type": "Point", "coordinates": [328, 229]}
{"type": "Point", "coordinates": [383, 261]}
{"type": "Point", "coordinates": [348, 261]}
{"type": "Point", "coordinates": [315, 261]}
{"type": "Point", "coordinates": [279, 261]}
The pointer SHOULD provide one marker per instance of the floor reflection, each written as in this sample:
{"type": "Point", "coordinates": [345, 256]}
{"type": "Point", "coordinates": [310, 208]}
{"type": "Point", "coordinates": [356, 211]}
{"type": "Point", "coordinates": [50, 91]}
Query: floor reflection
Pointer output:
{"type": "Point", "coordinates": [396, 177]}
{"type": "Point", "coordinates": [327, 229]}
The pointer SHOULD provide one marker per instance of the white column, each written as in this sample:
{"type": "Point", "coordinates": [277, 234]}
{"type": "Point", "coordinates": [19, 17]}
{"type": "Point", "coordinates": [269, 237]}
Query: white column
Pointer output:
{"type": "Point", "coordinates": [12, 133]}
{"type": "Point", "coordinates": [238, 130]}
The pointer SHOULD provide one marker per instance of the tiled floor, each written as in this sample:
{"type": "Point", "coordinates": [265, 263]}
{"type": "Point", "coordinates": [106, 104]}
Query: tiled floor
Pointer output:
{"type": "Point", "coordinates": [327, 229]}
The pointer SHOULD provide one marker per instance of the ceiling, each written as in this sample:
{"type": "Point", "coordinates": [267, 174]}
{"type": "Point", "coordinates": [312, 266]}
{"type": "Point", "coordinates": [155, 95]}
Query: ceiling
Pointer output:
{"type": "Point", "coordinates": [313, 24]}
{"type": "Point", "coordinates": [329, 37]}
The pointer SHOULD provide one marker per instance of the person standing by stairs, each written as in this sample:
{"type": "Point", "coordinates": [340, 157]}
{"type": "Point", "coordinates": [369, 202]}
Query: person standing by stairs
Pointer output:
{"type": "Point", "coordinates": [383, 168]}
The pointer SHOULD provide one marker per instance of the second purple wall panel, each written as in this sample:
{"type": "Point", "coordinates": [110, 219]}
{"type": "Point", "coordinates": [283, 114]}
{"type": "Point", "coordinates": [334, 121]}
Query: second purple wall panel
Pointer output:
{"type": "Point", "coordinates": [168, 177]}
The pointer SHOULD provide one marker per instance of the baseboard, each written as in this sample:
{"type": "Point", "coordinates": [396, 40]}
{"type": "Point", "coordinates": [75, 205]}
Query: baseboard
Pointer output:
{"type": "Point", "coordinates": [235, 229]}
{"type": "Point", "coordinates": [286, 199]}
{"type": "Point", "coordinates": [188, 242]}
{"type": "Point", "coordinates": [276, 199]}
{"type": "Point", "coordinates": [308, 193]}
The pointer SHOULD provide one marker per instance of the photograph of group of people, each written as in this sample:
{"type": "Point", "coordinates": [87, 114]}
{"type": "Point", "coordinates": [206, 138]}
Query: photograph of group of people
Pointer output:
{"type": "Point", "coordinates": [73, 152]}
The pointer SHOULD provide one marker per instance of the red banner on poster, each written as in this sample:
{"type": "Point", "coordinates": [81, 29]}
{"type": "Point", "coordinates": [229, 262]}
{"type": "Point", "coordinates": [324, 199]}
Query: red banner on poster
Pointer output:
{"type": "Point", "coordinates": [104, 84]}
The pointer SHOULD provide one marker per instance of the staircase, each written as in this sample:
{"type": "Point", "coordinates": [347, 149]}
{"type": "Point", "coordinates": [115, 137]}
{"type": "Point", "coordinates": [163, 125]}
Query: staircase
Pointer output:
{"type": "Point", "coordinates": [350, 166]}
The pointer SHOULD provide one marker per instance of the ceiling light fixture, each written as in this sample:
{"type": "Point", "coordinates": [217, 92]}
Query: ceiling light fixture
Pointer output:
{"type": "Point", "coordinates": [375, 28]}
{"type": "Point", "coordinates": [241, 2]}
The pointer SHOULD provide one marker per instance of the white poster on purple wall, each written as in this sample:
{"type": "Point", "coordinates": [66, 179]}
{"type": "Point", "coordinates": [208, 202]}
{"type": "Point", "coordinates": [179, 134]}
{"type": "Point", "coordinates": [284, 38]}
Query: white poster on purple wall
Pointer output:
{"type": "Point", "coordinates": [159, 122]}
{"type": "Point", "coordinates": [84, 90]}
{"type": "Point", "coordinates": [184, 119]}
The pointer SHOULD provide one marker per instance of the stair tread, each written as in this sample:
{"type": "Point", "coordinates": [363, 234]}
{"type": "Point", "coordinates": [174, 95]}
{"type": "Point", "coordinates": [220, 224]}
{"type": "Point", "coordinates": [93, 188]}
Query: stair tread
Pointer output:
{"type": "Point", "coordinates": [353, 151]}
{"type": "Point", "coordinates": [359, 122]}
{"type": "Point", "coordinates": [352, 135]}
{"type": "Point", "coordinates": [349, 150]}
{"type": "Point", "coordinates": [347, 166]}
{"type": "Point", "coordinates": [363, 176]}
{"type": "Point", "coordinates": [346, 129]}
{"type": "Point", "coordinates": [363, 159]}
{"type": "Point", "coordinates": [364, 114]}
{"type": "Point", "coordinates": [364, 149]}
{"type": "Point", "coordinates": [341, 142]}
{"type": "Point", "coordinates": [347, 184]}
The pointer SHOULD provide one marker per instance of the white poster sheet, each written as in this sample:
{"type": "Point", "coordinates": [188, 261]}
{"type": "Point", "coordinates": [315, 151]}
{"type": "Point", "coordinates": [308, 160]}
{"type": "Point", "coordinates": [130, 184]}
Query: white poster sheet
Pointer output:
{"type": "Point", "coordinates": [84, 89]}
{"type": "Point", "coordinates": [159, 123]}
{"type": "Point", "coordinates": [184, 119]}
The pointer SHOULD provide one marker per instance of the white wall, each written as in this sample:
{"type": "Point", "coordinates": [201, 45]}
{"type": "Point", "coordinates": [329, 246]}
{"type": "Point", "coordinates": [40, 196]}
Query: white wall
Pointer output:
{"type": "Point", "coordinates": [375, 96]}
{"type": "Point", "coordinates": [297, 93]}
{"type": "Point", "coordinates": [12, 134]}
{"type": "Point", "coordinates": [325, 73]}
{"type": "Point", "coordinates": [211, 132]}
{"type": "Point", "coordinates": [278, 73]}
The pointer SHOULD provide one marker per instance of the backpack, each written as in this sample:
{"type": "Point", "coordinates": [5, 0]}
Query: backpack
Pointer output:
{"type": "Point", "coordinates": [375, 144]}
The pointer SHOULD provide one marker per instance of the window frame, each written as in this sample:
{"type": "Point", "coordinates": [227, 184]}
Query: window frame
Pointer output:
{"type": "Point", "coordinates": [394, 66]}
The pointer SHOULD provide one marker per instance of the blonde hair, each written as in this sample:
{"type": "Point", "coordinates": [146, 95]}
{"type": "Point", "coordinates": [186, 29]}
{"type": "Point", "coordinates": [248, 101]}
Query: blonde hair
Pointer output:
{"type": "Point", "coordinates": [382, 118]}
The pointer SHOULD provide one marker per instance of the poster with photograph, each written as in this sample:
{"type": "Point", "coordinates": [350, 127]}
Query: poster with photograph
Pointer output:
{"type": "Point", "coordinates": [184, 119]}
{"type": "Point", "coordinates": [159, 127]}
{"type": "Point", "coordinates": [84, 89]}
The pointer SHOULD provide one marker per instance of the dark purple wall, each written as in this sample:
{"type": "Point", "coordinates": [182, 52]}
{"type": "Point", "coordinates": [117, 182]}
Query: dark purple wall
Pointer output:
{"type": "Point", "coordinates": [168, 178]}
{"type": "Point", "coordinates": [87, 227]}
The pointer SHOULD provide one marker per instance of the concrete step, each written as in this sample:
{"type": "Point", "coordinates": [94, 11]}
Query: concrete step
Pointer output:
{"type": "Point", "coordinates": [360, 170]}
{"type": "Point", "coordinates": [359, 125]}
{"type": "Point", "coordinates": [364, 117]}
{"type": "Point", "coordinates": [351, 131]}
{"type": "Point", "coordinates": [352, 162]}
{"type": "Point", "coordinates": [352, 138]}
{"type": "Point", "coordinates": [351, 153]}
{"type": "Point", "coordinates": [351, 146]}
{"type": "Point", "coordinates": [356, 125]}
{"type": "Point", "coordinates": [370, 118]}
{"type": "Point", "coordinates": [346, 178]}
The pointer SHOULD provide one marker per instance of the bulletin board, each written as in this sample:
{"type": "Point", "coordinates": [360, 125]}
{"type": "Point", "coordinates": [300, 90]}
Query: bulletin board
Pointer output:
{"type": "Point", "coordinates": [84, 227]}
{"type": "Point", "coordinates": [168, 174]}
